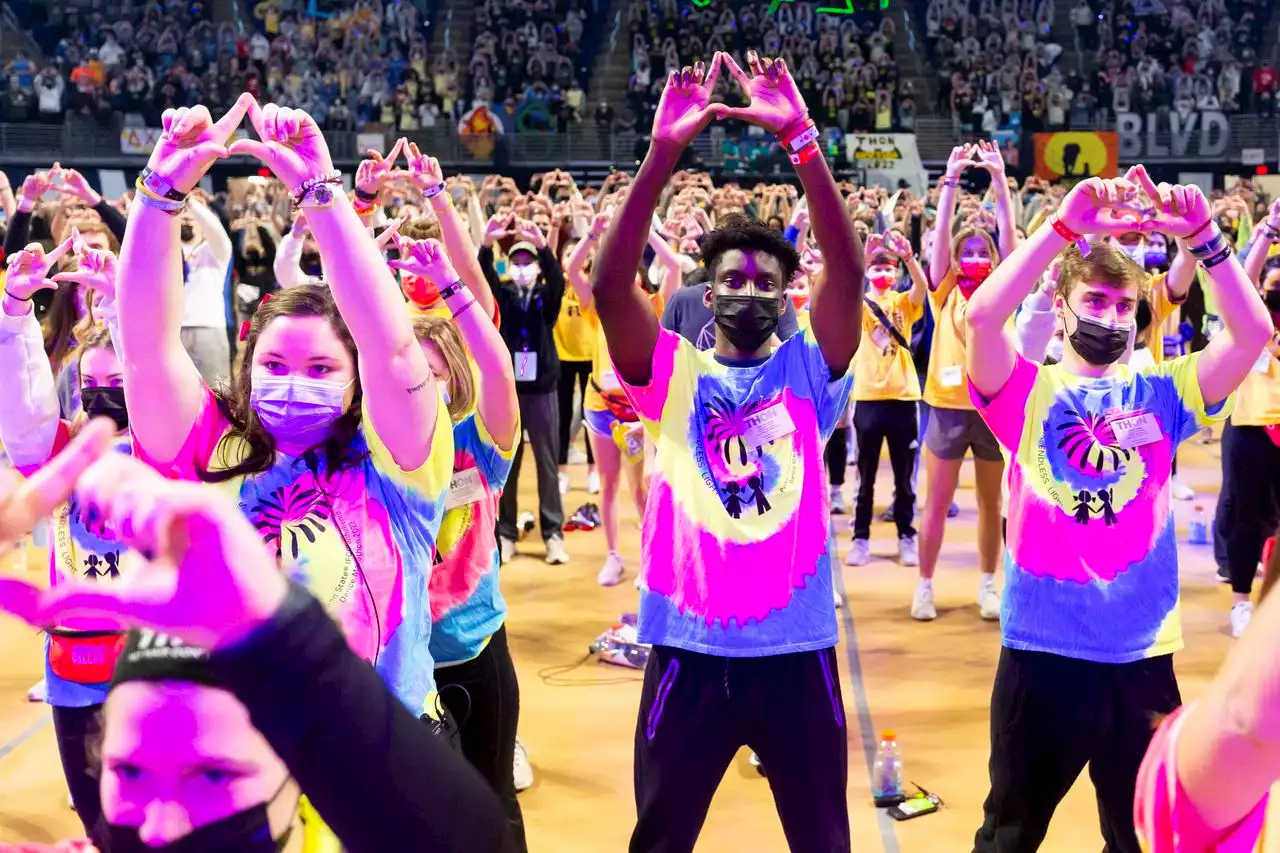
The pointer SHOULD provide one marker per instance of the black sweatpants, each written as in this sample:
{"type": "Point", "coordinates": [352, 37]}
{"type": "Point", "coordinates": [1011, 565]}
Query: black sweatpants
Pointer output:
{"type": "Point", "coordinates": [75, 729]}
{"type": "Point", "coordinates": [1254, 500]}
{"type": "Point", "coordinates": [1052, 715]}
{"type": "Point", "coordinates": [837, 456]}
{"type": "Point", "coordinates": [1223, 513]}
{"type": "Point", "coordinates": [696, 711]}
{"type": "Point", "coordinates": [540, 415]}
{"type": "Point", "coordinates": [573, 374]}
{"type": "Point", "coordinates": [894, 422]}
{"type": "Point", "coordinates": [483, 696]}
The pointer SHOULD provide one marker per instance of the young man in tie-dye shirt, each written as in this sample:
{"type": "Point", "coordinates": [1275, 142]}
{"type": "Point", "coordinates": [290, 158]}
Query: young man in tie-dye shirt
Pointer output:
{"type": "Point", "coordinates": [1090, 613]}
{"type": "Point", "coordinates": [736, 580]}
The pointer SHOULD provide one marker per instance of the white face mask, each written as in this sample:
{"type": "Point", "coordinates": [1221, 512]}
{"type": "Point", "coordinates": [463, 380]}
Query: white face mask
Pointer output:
{"type": "Point", "coordinates": [1054, 350]}
{"type": "Point", "coordinates": [1137, 252]}
{"type": "Point", "coordinates": [525, 276]}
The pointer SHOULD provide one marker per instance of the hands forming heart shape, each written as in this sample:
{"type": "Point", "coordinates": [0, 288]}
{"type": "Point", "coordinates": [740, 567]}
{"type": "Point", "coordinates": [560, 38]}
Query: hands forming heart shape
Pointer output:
{"type": "Point", "coordinates": [1135, 203]}
{"type": "Point", "coordinates": [686, 108]}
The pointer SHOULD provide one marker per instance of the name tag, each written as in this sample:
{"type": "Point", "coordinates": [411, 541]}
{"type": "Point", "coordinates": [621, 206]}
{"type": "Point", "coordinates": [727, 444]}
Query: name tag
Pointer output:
{"type": "Point", "coordinates": [1263, 364]}
{"type": "Point", "coordinates": [1135, 430]}
{"type": "Point", "coordinates": [526, 366]}
{"type": "Point", "coordinates": [951, 377]}
{"type": "Point", "coordinates": [465, 488]}
{"type": "Point", "coordinates": [609, 381]}
{"type": "Point", "coordinates": [768, 425]}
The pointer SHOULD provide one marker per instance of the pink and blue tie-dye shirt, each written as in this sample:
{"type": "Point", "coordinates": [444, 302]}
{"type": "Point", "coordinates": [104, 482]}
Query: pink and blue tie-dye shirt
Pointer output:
{"type": "Point", "coordinates": [466, 605]}
{"type": "Point", "coordinates": [1091, 562]}
{"type": "Point", "coordinates": [734, 549]}
{"type": "Point", "coordinates": [364, 536]}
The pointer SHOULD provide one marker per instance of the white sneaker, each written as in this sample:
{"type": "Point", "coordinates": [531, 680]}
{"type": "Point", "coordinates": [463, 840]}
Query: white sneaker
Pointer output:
{"type": "Point", "coordinates": [593, 482]}
{"type": "Point", "coordinates": [507, 550]}
{"type": "Point", "coordinates": [1241, 614]}
{"type": "Point", "coordinates": [859, 553]}
{"type": "Point", "coordinates": [922, 604]}
{"type": "Point", "coordinates": [522, 770]}
{"type": "Point", "coordinates": [908, 553]}
{"type": "Point", "coordinates": [71, 802]}
{"type": "Point", "coordinates": [612, 572]}
{"type": "Point", "coordinates": [1182, 492]}
{"type": "Point", "coordinates": [556, 554]}
{"type": "Point", "coordinates": [839, 600]}
{"type": "Point", "coordinates": [576, 456]}
{"type": "Point", "coordinates": [837, 501]}
{"type": "Point", "coordinates": [564, 482]}
{"type": "Point", "coordinates": [37, 693]}
{"type": "Point", "coordinates": [989, 599]}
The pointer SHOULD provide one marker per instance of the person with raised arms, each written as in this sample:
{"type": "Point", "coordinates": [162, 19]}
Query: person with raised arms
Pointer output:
{"type": "Point", "coordinates": [1090, 625]}
{"type": "Point", "coordinates": [736, 578]}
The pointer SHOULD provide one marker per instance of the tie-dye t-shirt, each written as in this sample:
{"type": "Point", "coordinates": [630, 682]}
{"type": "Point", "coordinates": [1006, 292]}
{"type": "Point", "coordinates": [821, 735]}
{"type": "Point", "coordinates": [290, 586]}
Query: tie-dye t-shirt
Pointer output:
{"type": "Point", "coordinates": [734, 549]}
{"type": "Point", "coordinates": [364, 536]}
{"type": "Point", "coordinates": [1091, 563]}
{"type": "Point", "coordinates": [466, 605]}
{"type": "Point", "coordinates": [84, 552]}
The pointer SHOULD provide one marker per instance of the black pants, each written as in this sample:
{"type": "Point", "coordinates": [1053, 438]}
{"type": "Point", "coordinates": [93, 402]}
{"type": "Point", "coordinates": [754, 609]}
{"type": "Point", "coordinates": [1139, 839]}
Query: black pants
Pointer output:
{"type": "Point", "coordinates": [483, 696]}
{"type": "Point", "coordinates": [1222, 515]}
{"type": "Point", "coordinates": [1050, 716]}
{"type": "Point", "coordinates": [572, 374]}
{"type": "Point", "coordinates": [837, 456]}
{"type": "Point", "coordinates": [1254, 498]}
{"type": "Point", "coordinates": [894, 422]}
{"type": "Point", "coordinates": [76, 729]}
{"type": "Point", "coordinates": [540, 415]}
{"type": "Point", "coordinates": [696, 711]}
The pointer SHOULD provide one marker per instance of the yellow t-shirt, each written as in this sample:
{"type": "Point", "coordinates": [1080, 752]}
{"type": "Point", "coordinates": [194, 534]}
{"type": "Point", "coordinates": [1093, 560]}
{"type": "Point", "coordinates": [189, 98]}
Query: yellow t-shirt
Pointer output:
{"type": "Point", "coordinates": [1162, 307]}
{"type": "Point", "coordinates": [882, 368]}
{"type": "Point", "coordinates": [945, 385]}
{"type": "Point", "coordinates": [574, 332]}
{"type": "Point", "coordinates": [1258, 398]}
{"type": "Point", "coordinates": [602, 372]}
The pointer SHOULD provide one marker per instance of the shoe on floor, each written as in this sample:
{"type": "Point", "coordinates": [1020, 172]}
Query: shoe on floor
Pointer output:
{"type": "Point", "coordinates": [859, 553]}
{"type": "Point", "coordinates": [37, 693]}
{"type": "Point", "coordinates": [1182, 492]}
{"type": "Point", "coordinates": [507, 550]}
{"type": "Point", "coordinates": [888, 515]}
{"type": "Point", "coordinates": [576, 456]}
{"type": "Point", "coordinates": [953, 510]}
{"type": "Point", "coordinates": [593, 483]}
{"type": "Point", "coordinates": [564, 482]}
{"type": "Point", "coordinates": [837, 501]}
{"type": "Point", "coordinates": [908, 553]}
{"type": "Point", "coordinates": [556, 554]}
{"type": "Point", "coordinates": [839, 600]}
{"type": "Point", "coordinates": [922, 607]}
{"type": "Point", "coordinates": [613, 570]}
{"type": "Point", "coordinates": [989, 599]}
{"type": "Point", "coordinates": [754, 761]}
{"type": "Point", "coordinates": [1224, 574]}
{"type": "Point", "coordinates": [524, 524]}
{"type": "Point", "coordinates": [522, 770]}
{"type": "Point", "coordinates": [1241, 614]}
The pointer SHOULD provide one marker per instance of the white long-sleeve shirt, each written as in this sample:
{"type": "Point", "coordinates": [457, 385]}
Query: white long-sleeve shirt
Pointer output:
{"type": "Point", "coordinates": [204, 304]}
{"type": "Point", "coordinates": [1033, 327]}
{"type": "Point", "coordinates": [288, 262]}
{"type": "Point", "coordinates": [29, 412]}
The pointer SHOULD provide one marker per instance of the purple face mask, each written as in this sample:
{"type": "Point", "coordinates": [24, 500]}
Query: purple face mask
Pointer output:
{"type": "Point", "coordinates": [297, 410]}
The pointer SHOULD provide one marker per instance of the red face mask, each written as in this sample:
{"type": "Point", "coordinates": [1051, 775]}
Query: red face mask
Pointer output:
{"type": "Point", "coordinates": [419, 290]}
{"type": "Point", "coordinates": [799, 300]}
{"type": "Point", "coordinates": [972, 274]}
{"type": "Point", "coordinates": [881, 281]}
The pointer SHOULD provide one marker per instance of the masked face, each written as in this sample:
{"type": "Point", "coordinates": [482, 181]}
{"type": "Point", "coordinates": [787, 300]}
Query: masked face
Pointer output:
{"type": "Point", "coordinates": [302, 381]}
{"type": "Point", "coordinates": [882, 275]}
{"type": "Point", "coordinates": [419, 290]}
{"type": "Point", "coordinates": [975, 264]}
{"type": "Point", "coordinates": [746, 298]}
{"type": "Point", "coordinates": [525, 275]}
{"type": "Point", "coordinates": [297, 411]}
{"type": "Point", "coordinates": [186, 232]}
{"type": "Point", "coordinates": [1104, 322]}
{"type": "Point", "coordinates": [309, 263]}
{"type": "Point", "coordinates": [98, 401]}
{"type": "Point", "coordinates": [1135, 249]}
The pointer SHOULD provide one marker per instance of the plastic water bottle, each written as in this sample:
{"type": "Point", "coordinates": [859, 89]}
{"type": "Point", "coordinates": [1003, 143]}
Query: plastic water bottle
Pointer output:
{"type": "Point", "coordinates": [886, 775]}
{"type": "Point", "coordinates": [1198, 529]}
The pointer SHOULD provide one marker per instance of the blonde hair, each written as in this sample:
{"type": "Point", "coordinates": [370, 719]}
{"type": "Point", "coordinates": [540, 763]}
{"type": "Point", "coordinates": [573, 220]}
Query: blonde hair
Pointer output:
{"type": "Point", "coordinates": [421, 228]}
{"type": "Point", "coordinates": [964, 234]}
{"type": "Point", "coordinates": [1105, 264]}
{"type": "Point", "coordinates": [462, 384]}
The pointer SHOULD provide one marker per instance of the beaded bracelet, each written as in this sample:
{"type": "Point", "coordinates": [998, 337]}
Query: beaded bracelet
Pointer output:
{"type": "Point", "coordinates": [331, 177]}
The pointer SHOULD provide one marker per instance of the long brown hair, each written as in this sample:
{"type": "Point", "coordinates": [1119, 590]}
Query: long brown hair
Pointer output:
{"type": "Point", "coordinates": [462, 383]}
{"type": "Point", "coordinates": [90, 337]}
{"type": "Point", "coordinates": [309, 300]}
{"type": "Point", "coordinates": [64, 323]}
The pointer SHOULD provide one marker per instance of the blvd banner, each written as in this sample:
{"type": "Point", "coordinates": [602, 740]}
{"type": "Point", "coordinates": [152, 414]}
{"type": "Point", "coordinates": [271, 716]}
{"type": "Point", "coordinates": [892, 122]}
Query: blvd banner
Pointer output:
{"type": "Point", "coordinates": [888, 158]}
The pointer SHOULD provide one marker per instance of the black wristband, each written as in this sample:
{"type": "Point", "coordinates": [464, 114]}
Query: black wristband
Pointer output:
{"type": "Point", "coordinates": [1217, 259]}
{"type": "Point", "coordinates": [364, 196]}
{"type": "Point", "coordinates": [19, 298]}
{"type": "Point", "coordinates": [453, 289]}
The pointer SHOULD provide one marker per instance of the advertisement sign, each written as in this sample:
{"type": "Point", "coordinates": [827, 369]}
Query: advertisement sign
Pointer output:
{"type": "Point", "coordinates": [139, 140]}
{"type": "Point", "coordinates": [1076, 155]}
{"type": "Point", "coordinates": [1197, 135]}
{"type": "Point", "coordinates": [887, 158]}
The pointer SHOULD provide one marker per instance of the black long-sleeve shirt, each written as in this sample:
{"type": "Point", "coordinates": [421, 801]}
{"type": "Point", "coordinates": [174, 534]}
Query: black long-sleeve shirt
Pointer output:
{"type": "Point", "coordinates": [528, 328]}
{"type": "Point", "coordinates": [376, 774]}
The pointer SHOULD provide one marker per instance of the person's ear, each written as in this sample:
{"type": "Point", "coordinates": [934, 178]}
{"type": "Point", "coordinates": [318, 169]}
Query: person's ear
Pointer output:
{"type": "Point", "coordinates": [708, 298]}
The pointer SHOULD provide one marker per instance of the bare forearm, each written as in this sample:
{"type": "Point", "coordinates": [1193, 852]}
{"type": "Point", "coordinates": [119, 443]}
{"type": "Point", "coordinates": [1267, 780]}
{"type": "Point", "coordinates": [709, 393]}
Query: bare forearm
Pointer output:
{"type": "Point", "coordinates": [919, 281]}
{"type": "Point", "coordinates": [576, 266]}
{"type": "Point", "coordinates": [1005, 222]}
{"type": "Point", "coordinates": [940, 258]}
{"type": "Point", "coordinates": [462, 251]}
{"type": "Point", "coordinates": [150, 282]}
{"type": "Point", "coordinates": [496, 402]}
{"type": "Point", "coordinates": [836, 313]}
{"type": "Point", "coordinates": [1182, 272]}
{"type": "Point", "coordinates": [1257, 256]}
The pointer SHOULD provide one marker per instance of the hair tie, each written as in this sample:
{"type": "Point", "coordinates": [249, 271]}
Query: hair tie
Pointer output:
{"type": "Point", "coordinates": [244, 330]}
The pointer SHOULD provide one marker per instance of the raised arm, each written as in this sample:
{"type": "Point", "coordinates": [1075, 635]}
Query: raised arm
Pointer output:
{"type": "Point", "coordinates": [1266, 235]}
{"type": "Point", "coordinates": [948, 191]}
{"type": "Point", "coordinates": [399, 389]}
{"type": "Point", "coordinates": [630, 326]}
{"type": "Point", "coordinates": [216, 239]}
{"type": "Point", "coordinates": [575, 266]}
{"type": "Point", "coordinates": [898, 245]}
{"type": "Point", "coordinates": [836, 301]}
{"type": "Point", "coordinates": [988, 158]}
{"type": "Point", "coordinates": [287, 265]}
{"type": "Point", "coordinates": [672, 275]}
{"type": "Point", "coordinates": [496, 403]}
{"type": "Point", "coordinates": [163, 389]}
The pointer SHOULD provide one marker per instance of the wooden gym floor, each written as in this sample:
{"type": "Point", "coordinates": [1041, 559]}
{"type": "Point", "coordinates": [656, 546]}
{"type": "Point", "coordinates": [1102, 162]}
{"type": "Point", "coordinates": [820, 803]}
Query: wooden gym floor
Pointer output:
{"type": "Point", "coordinates": [930, 682]}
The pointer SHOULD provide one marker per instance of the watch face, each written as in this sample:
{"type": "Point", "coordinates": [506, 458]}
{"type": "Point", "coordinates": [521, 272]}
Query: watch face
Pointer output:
{"type": "Point", "coordinates": [323, 195]}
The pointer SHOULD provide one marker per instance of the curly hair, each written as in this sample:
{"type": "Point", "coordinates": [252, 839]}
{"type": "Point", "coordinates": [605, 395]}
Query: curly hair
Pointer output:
{"type": "Point", "coordinates": [746, 234]}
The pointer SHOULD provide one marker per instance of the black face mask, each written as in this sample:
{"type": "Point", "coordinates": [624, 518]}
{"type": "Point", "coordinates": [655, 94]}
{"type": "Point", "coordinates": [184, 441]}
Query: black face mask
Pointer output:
{"type": "Point", "coordinates": [244, 832]}
{"type": "Point", "coordinates": [104, 402]}
{"type": "Point", "coordinates": [310, 263]}
{"type": "Point", "coordinates": [1097, 342]}
{"type": "Point", "coordinates": [186, 232]}
{"type": "Point", "coordinates": [747, 321]}
{"type": "Point", "coordinates": [1271, 298]}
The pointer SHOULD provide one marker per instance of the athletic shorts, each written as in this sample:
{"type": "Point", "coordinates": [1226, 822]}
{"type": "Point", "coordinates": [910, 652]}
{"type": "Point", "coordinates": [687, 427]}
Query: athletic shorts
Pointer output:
{"type": "Point", "coordinates": [599, 423]}
{"type": "Point", "coordinates": [951, 432]}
